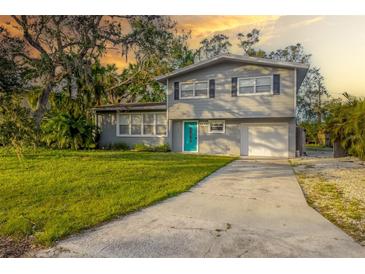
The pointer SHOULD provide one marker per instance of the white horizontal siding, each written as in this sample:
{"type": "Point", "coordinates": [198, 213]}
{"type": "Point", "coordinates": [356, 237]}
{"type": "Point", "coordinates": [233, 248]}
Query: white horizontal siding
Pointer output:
{"type": "Point", "coordinates": [226, 106]}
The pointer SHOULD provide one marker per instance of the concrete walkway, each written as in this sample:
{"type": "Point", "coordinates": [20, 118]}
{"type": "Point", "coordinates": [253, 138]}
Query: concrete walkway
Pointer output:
{"type": "Point", "coordinates": [247, 209]}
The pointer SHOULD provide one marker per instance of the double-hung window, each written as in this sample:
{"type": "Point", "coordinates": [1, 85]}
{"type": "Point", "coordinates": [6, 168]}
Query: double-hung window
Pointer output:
{"type": "Point", "coordinates": [194, 90]}
{"type": "Point", "coordinates": [142, 124]}
{"type": "Point", "coordinates": [148, 124]}
{"type": "Point", "coordinates": [136, 124]}
{"type": "Point", "coordinates": [161, 124]}
{"type": "Point", "coordinates": [255, 85]}
{"type": "Point", "coordinates": [123, 124]}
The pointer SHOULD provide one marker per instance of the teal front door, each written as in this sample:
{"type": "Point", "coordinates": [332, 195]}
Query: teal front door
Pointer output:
{"type": "Point", "coordinates": [191, 136]}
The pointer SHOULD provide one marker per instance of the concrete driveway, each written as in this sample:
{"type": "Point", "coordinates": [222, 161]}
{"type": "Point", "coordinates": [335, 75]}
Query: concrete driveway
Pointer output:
{"type": "Point", "coordinates": [246, 209]}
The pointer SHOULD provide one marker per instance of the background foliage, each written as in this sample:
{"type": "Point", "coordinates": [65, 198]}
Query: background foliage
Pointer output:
{"type": "Point", "coordinates": [345, 120]}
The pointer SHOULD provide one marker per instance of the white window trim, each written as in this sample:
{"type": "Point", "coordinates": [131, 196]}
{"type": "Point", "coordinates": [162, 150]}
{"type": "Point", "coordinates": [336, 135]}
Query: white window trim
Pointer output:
{"type": "Point", "coordinates": [130, 125]}
{"type": "Point", "coordinates": [256, 93]}
{"type": "Point", "coordinates": [214, 131]}
{"type": "Point", "coordinates": [194, 83]}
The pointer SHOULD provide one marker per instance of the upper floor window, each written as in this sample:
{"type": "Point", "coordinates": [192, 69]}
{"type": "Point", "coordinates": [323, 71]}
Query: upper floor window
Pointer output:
{"type": "Point", "coordinates": [194, 90]}
{"type": "Point", "coordinates": [253, 85]}
{"type": "Point", "coordinates": [138, 124]}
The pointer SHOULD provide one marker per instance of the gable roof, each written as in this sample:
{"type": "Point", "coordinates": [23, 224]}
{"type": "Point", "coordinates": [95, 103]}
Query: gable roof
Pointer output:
{"type": "Point", "coordinates": [158, 106]}
{"type": "Point", "coordinates": [301, 68]}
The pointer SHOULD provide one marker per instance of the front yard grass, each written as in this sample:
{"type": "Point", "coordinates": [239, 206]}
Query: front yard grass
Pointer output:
{"type": "Point", "coordinates": [335, 188]}
{"type": "Point", "coordinates": [51, 194]}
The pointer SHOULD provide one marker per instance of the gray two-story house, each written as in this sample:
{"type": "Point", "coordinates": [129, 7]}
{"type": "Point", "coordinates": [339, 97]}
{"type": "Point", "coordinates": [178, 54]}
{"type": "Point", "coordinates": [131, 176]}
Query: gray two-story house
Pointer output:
{"type": "Point", "coordinates": [229, 104]}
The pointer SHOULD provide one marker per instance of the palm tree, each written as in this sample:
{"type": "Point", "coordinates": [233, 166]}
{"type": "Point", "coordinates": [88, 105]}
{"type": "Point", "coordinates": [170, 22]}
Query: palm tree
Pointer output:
{"type": "Point", "coordinates": [63, 130]}
{"type": "Point", "coordinates": [346, 123]}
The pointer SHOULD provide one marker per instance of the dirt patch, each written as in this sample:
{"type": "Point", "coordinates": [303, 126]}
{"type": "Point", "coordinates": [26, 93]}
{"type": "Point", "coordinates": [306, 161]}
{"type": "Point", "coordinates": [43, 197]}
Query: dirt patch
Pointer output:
{"type": "Point", "coordinates": [336, 188]}
{"type": "Point", "coordinates": [12, 248]}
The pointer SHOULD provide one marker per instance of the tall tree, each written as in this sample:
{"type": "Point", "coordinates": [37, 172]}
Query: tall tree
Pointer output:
{"type": "Point", "coordinates": [247, 41]}
{"type": "Point", "coordinates": [57, 48]}
{"type": "Point", "coordinates": [11, 76]}
{"type": "Point", "coordinates": [218, 44]}
{"type": "Point", "coordinates": [311, 103]}
{"type": "Point", "coordinates": [160, 49]}
{"type": "Point", "coordinates": [181, 54]}
{"type": "Point", "coordinates": [15, 120]}
{"type": "Point", "coordinates": [293, 53]}
{"type": "Point", "coordinates": [312, 91]}
{"type": "Point", "coordinates": [64, 48]}
{"type": "Point", "coordinates": [312, 96]}
{"type": "Point", "coordinates": [136, 83]}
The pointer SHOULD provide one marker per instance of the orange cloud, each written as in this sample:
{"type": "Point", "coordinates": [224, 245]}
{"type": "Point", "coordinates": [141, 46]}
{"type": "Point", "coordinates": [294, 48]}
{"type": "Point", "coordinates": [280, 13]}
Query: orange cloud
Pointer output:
{"type": "Point", "coordinates": [114, 57]}
{"type": "Point", "coordinates": [204, 26]}
{"type": "Point", "coordinates": [9, 24]}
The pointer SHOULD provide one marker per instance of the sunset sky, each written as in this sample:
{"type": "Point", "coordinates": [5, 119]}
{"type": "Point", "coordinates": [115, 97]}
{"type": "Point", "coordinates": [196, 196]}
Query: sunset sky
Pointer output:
{"type": "Point", "coordinates": [336, 42]}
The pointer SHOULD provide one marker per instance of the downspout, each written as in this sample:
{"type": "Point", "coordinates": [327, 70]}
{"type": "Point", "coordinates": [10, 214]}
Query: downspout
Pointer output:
{"type": "Point", "coordinates": [96, 118]}
{"type": "Point", "coordinates": [295, 92]}
{"type": "Point", "coordinates": [295, 113]}
{"type": "Point", "coordinates": [96, 122]}
{"type": "Point", "coordinates": [169, 125]}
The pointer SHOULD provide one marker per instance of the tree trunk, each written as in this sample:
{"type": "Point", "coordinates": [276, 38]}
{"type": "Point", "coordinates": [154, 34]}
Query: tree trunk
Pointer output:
{"type": "Point", "coordinates": [42, 105]}
{"type": "Point", "coordinates": [338, 150]}
{"type": "Point", "coordinates": [319, 115]}
{"type": "Point", "coordinates": [319, 118]}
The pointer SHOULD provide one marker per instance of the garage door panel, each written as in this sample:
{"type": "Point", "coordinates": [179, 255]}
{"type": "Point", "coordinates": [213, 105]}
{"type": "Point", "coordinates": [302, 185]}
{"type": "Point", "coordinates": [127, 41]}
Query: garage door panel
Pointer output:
{"type": "Point", "coordinates": [268, 140]}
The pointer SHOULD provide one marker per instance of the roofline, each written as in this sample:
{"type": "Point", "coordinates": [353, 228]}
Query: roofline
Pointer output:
{"type": "Point", "coordinates": [233, 57]}
{"type": "Point", "coordinates": [132, 106]}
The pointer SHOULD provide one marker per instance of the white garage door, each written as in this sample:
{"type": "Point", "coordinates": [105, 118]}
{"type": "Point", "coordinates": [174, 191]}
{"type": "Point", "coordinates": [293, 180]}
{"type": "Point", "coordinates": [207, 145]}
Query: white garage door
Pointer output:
{"type": "Point", "coordinates": [266, 140]}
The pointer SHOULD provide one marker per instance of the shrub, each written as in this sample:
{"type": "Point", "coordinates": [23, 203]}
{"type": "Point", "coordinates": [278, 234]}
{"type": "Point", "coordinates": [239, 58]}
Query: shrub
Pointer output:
{"type": "Point", "coordinates": [162, 148]}
{"type": "Point", "coordinates": [314, 133]}
{"type": "Point", "coordinates": [16, 124]}
{"type": "Point", "coordinates": [149, 148]}
{"type": "Point", "coordinates": [142, 147]}
{"type": "Point", "coordinates": [64, 130]}
{"type": "Point", "coordinates": [119, 146]}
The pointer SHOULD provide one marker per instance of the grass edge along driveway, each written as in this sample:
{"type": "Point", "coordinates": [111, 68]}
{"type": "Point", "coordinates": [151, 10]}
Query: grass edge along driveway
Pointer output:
{"type": "Point", "coordinates": [52, 194]}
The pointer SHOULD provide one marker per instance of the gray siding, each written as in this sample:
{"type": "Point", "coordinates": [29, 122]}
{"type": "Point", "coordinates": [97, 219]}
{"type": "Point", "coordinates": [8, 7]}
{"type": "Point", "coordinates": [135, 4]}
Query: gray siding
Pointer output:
{"type": "Point", "coordinates": [107, 123]}
{"type": "Point", "coordinates": [226, 106]}
{"type": "Point", "coordinates": [220, 143]}
{"type": "Point", "coordinates": [292, 137]}
{"type": "Point", "coordinates": [176, 136]}
{"type": "Point", "coordinates": [230, 141]}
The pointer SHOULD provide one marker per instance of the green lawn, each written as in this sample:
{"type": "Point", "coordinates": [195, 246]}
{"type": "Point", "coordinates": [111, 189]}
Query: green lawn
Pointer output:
{"type": "Point", "coordinates": [51, 194]}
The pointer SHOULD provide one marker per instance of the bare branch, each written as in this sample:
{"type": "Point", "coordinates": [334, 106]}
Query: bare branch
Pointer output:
{"type": "Point", "coordinates": [23, 22]}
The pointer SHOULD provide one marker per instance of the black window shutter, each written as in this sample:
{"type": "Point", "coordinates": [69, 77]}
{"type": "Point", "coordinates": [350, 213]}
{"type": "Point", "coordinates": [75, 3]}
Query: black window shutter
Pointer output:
{"type": "Point", "coordinates": [234, 86]}
{"type": "Point", "coordinates": [276, 84]}
{"type": "Point", "coordinates": [211, 88]}
{"type": "Point", "coordinates": [176, 90]}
